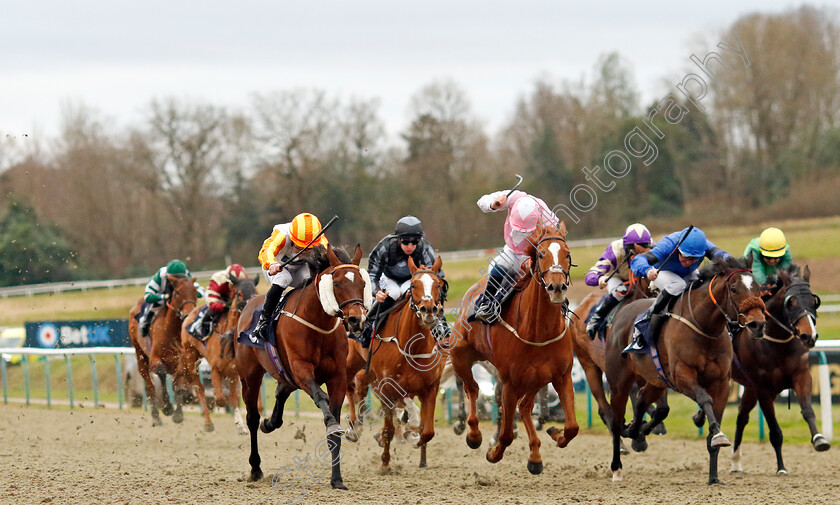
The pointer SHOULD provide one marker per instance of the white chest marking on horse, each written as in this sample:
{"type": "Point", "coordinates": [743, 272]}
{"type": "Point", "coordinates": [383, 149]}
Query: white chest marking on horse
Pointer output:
{"type": "Point", "coordinates": [428, 282]}
{"type": "Point", "coordinates": [350, 276]}
{"type": "Point", "coordinates": [747, 280]}
{"type": "Point", "coordinates": [555, 250]}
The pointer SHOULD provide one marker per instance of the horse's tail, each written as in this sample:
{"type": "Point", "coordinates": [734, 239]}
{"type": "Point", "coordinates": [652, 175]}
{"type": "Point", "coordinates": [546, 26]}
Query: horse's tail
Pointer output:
{"type": "Point", "coordinates": [228, 350]}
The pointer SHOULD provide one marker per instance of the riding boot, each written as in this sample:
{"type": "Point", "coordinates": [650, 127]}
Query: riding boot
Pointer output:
{"type": "Point", "coordinates": [272, 298]}
{"type": "Point", "coordinates": [654, 314]}
{"type": "Point", "coordinates": [146, 323]}
{"type": "Point", "coordinates": [377, 309]}
{"type": "Point", "coordinates": [607, 303]}
{"type": "Point", "coordinates": [487, 306]}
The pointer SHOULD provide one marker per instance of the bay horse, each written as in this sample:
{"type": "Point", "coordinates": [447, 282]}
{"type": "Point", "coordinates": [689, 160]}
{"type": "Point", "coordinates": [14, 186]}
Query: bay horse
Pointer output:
{"type": "Point", "coordinates": [590, 352]}
{"type": "Point", "coordinates": [311, 346]}
{"type": "Point", "coordinates": [405, 351]}
{"type": "Point", "coordinates": [778, 360]}
{"type": "Point", "coordinates": [160, 352]}
{"type": "Point", "coordinates": [695, 353]}
{"type": "Point", "coordinates": [217, 349]}
{"type": "Point", "coordinates": [530, 345]}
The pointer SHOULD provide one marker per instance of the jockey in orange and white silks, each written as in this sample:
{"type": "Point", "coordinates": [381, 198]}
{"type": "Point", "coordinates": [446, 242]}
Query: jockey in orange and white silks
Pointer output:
{"type": "Point", "coordinates": [524, 212]}
{"type": "Point", "coordinates": [286, 240]}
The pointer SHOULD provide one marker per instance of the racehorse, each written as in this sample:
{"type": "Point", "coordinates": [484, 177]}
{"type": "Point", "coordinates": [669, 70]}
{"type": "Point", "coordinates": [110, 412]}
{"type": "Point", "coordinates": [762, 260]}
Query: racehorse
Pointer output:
{"type": "Point", "coordinates": [590, 352]}
{"type": "Point", "coordinates": [311, 349]}
{"type": "Point", "coordinates": [694, 353]}
{"type": "Point", "coordinates": [528, 345]}
{"type": "Point", "coordinates": [778, 360]}
{"type": "Point", "coordinates": [405, 352]}
{"type": "Point", "coordinates": [160, 352]}
{"type": "Point", "coordinates": [217, 349]}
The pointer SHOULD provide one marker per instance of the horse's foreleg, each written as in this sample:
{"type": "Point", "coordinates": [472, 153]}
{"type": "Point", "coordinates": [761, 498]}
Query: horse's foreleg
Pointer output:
{"type": "Point", "coordinates": [566, 391]}
{"type": "Point", "coordinates": [658, 414]}
{"type": "Point", "coordinates": [506, 412]}
{"type": "Point", "coordinates": [322, 401]}
{"type": "Point", "coordinates": [427, 421]}
{"type": "Point", "coordinates": [151, 393]}
{"type": "Point", "coordinates": [234, 401]}
{"type": "Point", "coordinates": [802, 385]}
{"type": "Point", "coordinates": [250, 392]}
{"type": "Point", "coordinates": [464, 371]}
{"type": "Point", "coordinates": [619, 391]}
{"type": "Point", "coordinates": [189, 361]}
{"type": "Point", "coordinates": [718, 393]}
{"type": "Point", "coordinates": [776, 437]}
{"type": "Point", "coordinates": [594, 376]}
{"type": "Point", "coordinates": [386, 435]}
{"type": "Point", "coordinates": [526, 407]}
{"type": "Point", "coordinates": [336, 390]}
{"type": "Point", "coordinates": [281, 394]}
{"type": "Point", "coordinates": [748, 402]}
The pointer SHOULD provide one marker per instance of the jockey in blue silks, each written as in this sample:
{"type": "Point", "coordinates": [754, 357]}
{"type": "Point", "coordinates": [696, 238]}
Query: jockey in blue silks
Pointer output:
{"type": "Point", "coordinates": [672, 277]}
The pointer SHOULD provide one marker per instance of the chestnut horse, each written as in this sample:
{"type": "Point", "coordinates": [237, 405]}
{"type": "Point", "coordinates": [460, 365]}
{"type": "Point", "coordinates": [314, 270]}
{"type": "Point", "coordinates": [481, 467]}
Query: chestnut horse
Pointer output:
{"type": "Point", "coordinates": [590, 352]}
{"type": "Point", "coordinates": [217, 349]}
{"type": "Point", "coordinates": [778, 360]}
{"type": "Point", "coordinates": [160, 353]}
{"type": "Point", "coordinates": [694, 349]}
{"type": "Point", "coordinates": [405, 351]}
{"type": "Point", "coordinates": [530, 345]}
{"type": "Point", "coordinates": [311, 346]}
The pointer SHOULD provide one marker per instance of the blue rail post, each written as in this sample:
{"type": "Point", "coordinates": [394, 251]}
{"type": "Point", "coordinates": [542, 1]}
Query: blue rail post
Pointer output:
{"type": "Point", "coordinates": [47, 374]}
{"type": "Point", "coordinates": [760, 425]}
{"type": "Point", "coordinates": [262, 396]}
{"type": "Point", "coordinates": [26, 377]}
{"type": "Point", "coordinates": [94, 380]}
{"type": "Point", "coordinates": [588, 404]}
{"type": "Point", "coordinates": [5, 380]}
{"type": "Point", "coordinates": [297, 403]}
{"type": "Point", "coordinates": [118, 369]}
{"type": "Point", "coordinates": [69, 379]}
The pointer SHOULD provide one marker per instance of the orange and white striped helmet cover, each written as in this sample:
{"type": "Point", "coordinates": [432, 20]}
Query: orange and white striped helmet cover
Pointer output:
{"type": "Point", "coordinates": [304, 228]}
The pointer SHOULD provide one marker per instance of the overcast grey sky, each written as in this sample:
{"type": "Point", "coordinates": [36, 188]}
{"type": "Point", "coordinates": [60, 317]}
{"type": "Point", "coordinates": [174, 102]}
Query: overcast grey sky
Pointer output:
{"type": "Point", "coordinates": [117, 55]}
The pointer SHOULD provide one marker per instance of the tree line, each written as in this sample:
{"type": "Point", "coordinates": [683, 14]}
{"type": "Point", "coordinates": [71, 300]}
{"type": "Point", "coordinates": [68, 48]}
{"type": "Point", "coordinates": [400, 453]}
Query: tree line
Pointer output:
{"type": "Point", "coordinates": [206, 183]}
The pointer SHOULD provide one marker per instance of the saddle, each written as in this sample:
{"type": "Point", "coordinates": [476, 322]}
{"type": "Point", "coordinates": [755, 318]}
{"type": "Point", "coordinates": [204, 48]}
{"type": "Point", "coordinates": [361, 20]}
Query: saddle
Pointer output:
{"type": "Point", "coordinates": [249, 337]}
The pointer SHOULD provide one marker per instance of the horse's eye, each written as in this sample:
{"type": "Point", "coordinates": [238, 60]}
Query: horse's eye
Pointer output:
{"type": "Point", "coordinates": [734, 290]}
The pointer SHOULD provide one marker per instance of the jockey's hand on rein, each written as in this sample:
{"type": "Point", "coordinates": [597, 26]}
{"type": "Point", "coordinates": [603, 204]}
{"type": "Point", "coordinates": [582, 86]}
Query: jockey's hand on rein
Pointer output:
{"type": "Point", "coordinates": [274, 269]}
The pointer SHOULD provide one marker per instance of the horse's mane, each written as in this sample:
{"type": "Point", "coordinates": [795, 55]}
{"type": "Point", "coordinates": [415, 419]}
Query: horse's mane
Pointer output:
{"type": "Point", "coordinates": [318, 261]}
{"type": "Point", "coordinates": [792, 270]}
{"type": "Point", "coordinates": [721, 266]}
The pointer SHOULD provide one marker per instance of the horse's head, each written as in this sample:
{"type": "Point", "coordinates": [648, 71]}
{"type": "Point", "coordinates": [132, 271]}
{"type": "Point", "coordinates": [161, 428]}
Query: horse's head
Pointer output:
{"type": "Point", "coordinates": [426, 292]}
{"type": "Point", "coordinates": [551, 260]}
{"type": "Point", "coordinates": [743, 304]}
{"type": "Point", "coordinates": [243, 290]}
{"type": "Point", "coordinates": [344, 290]}
{"type": "Point", "coordinates": [796, 305]}
{"type": "Point", "coordinates": [183, 295]}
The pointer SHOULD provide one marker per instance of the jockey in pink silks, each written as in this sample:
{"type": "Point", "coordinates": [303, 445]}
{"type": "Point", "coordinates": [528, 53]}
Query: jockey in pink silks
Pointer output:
{"type": "Point", "coordinates": [524, 212]}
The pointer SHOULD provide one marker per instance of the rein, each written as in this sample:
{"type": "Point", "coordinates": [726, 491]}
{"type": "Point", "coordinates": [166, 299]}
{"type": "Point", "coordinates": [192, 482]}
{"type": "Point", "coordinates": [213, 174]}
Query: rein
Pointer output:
{"type": "Point", "coordinates": [693, 324]}
{"type": "Point", "coordinates": [553, 268]}
{"type": "Point", "coordinates": [412, 303]}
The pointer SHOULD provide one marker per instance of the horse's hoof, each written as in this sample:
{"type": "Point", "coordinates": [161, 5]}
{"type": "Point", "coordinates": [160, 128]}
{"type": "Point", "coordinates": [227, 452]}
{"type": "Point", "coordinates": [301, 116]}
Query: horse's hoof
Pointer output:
{"type": "Point", "coordinates": [699, 419]}
{"type": "Point", "coordinates": [335, 429]}
{"type": "Point", "coordinates": [338, 484]}
{"type": "Point", "coordinates": [490, 458]}
{"type": "Point", "coordinates": [351, 437]}
{"type": "Point", "coordinates": [659, 429]}
{"type": "Point", "coordinates": [616, 475]}
{"type": "Point", "coordinates": [820, 443]}
{"type": "Point", "coordinates": [535, 468]}
{"type": "Point", "coordinates": [781, 471]}
{"type": "Point", "coordinates": [256, 475]}
{"type": "Point", "coordinates": [422, 464]}
{"type": "Point", "coordinates": [178, 417]}
{"type": "Point", "coordinates": [550, 431]}
{"type": "Point", "coordinates": [378, 437]}
{"type": "Point", "coordinates": [157, 422]}
{"type": "Point", "coordinates": [474, 444]}
{"type": "Point", "coordinates": [622, 449]}
{"type": "Point", "coordinates": [240, 430]}
{"type": "Point", "coordinates": [411, 437]}
{"type": "Point", "coordinates": [639, 444]}
{"type": "Point", "coordinates": [459, 427]}
{"type": "Point", "coordinates": [209, 427]}
{"type": "Point", "coordinates": [167, 410]}
{"type": "Point", "coordinates": [736, 468]}
{"type": "Point", "coordinates": [716, 481]}
{"type": "Point", "coordinates": [264, 426]}
{"type": "Point", "coordinates": [720, 440]}
{"type": "Point", "coordinates": [494, 440]}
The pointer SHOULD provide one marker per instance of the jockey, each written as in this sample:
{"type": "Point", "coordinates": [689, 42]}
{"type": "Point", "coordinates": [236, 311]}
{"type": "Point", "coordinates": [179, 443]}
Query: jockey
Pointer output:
{"type": "Point", "coordinates": [157, 292]}
{"type": "Point", "coordinates": [524, 212]}
{"type": "Point", "coordinates": [286, 240]}
{"type": "Point", "coordinates": [219, 294]}
{"type": "Point", "coordinates": [616, 258]}
{"type": "Point", "coordinates": [389, 271]}
{"type": "Point", "coordinates": [672, 277]}
{"type": "Point", "coordinates": [771, 253]}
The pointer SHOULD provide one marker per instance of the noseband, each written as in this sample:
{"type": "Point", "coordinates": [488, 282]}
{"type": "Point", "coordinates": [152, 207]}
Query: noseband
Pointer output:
{"type": "Point", "coordinates": [345, 303]}
{"type": "Point", "coordinates": [413, 304]}
{"type": "Point", "coordinates": [799, 289]}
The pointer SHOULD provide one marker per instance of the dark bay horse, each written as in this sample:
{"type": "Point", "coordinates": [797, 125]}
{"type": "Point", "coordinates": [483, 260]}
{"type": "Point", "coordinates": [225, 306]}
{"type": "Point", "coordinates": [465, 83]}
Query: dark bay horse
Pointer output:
{"type": "Point", "coordinates": [530, 345]}
{"type": "Point", "coordinates": [160, 353]}
{"type": "Point", "coordinates": [590, 352]}
{"type": "Point", "coordinates": [778, 360]}
{"type": "Point", "coordinates": [695, 353]}
{"type": "Point", "coordinates": [217, 349]}
{"type": "Point", "coordinates": [312, 347]}
{"type": "Point", "coordinates": [405, 352]}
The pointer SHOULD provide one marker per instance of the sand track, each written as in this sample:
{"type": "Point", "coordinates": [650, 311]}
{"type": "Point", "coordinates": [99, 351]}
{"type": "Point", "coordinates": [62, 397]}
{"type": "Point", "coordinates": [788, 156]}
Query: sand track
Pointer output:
{"type": "Point", "coordinates": [107, 456]}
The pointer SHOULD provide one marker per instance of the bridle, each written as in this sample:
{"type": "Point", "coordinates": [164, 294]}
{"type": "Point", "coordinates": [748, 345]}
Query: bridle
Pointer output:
{"type": "Point", "coordinates": [732, 325]}
{"type": "Point", "coordinates": [556, 268]}
{"type": "Point", "coordinates": [346, 303]}
{"type": "Point", "coordinates": [180, 308]}
{"type": "Point", "coordinates": [413, 303]}
{"type": "Point", "coordinates": [798, 290]}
